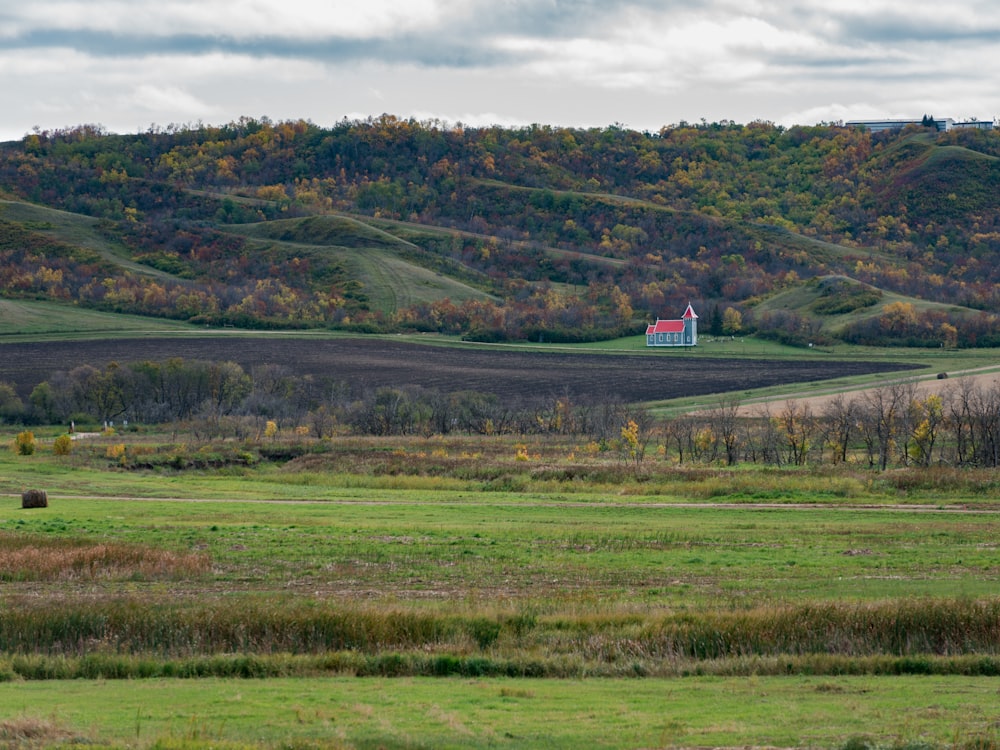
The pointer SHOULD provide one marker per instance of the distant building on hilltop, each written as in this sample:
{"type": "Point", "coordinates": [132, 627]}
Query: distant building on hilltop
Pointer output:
{"type": "Point", "coordinates": [683, 332]}
{"type": "Point", "coordinates": [975, 124]}
{"type": "Point", "coordinates": [877, 126]}
{"type": "Point", "coordinates": [943, 125]}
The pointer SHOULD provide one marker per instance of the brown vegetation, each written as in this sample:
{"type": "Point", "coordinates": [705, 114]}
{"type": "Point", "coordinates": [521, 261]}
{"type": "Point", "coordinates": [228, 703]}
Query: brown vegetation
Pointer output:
{"type": "Point", "coordinates": [31, 558]}
{"type": "Point", "coordinates": [32, 731]}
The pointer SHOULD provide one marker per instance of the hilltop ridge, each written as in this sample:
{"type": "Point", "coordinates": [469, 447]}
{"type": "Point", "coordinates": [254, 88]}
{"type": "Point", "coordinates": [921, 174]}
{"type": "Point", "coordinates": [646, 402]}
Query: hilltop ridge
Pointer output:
{"type": "Point", "coordinates": [508, 233]}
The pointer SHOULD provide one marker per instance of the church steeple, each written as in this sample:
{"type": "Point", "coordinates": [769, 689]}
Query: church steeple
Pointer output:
{"type": "Point", "coordinates": [690, 319]}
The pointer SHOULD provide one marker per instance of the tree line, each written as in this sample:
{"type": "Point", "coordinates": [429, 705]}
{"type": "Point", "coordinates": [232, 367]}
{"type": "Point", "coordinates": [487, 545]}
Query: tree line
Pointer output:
{"type": "Point", "coordinates": [896, 424]}
{"type": "Point", "coordinates": [222, 399]}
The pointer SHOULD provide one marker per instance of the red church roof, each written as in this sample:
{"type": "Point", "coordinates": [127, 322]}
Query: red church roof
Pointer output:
{"type": "Point", "coordinates": [689, 313]}
{"type": "Point", "coordinates": [667, 326]}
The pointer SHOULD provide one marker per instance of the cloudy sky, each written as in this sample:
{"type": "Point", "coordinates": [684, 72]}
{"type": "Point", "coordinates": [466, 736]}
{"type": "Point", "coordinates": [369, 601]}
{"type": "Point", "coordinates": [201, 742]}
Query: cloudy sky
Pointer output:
{"type": "Point", "coordinates": [130, 64]}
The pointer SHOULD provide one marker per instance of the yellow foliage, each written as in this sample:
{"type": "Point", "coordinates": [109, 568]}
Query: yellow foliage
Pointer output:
{"type": "Point", "coordinates": [24, 443]}
{"type": "Point", "coordinates": [705, 439]}
{"type": "Point", "coordinates": [63, 445]}
{"type": "Point", "coordinates": [272, 193]}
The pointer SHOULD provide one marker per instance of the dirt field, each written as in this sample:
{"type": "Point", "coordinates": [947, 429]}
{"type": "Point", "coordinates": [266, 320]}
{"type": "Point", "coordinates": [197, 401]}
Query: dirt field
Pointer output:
{"type": "Point", "coordinates": [370, 363]}
{"type": "Point", "coordinates": [982, 378]}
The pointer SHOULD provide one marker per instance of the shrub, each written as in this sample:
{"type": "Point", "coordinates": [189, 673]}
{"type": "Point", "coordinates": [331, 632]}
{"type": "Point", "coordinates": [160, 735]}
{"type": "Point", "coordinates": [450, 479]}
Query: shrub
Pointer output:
{"type": "Point", "coordinates": [484, 632]}
{"type": "Point", "coordinates": [24, 443]}
{"type": "Point", "coordinates": [63, 445]}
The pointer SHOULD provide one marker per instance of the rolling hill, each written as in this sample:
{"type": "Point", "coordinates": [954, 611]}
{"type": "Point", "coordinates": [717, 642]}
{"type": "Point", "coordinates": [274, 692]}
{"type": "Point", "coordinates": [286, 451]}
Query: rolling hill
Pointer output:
{"type": "Point", "coordinates": [492, 233]}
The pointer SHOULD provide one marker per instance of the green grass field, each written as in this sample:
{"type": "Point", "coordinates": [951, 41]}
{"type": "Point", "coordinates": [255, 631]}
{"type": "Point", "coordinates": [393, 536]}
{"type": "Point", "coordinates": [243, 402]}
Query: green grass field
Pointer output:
{"type": "Point", "coordinates": [345, 599]}
{"type": "Point", "coordinates": [29, 320]}
{"type": "Point", "coordinates": [291, 604]}
{"type": "Point", "coordinates": [347, 712]}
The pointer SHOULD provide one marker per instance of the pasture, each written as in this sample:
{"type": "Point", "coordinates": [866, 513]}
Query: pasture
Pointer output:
{"type": "Point", "coordinates": [342, 599]}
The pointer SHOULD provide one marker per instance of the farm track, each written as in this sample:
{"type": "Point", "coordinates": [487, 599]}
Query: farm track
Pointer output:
{"type": "Point", "coordinates": [517, 377]}
{"type": "Point", "coordinates": [598, 505]}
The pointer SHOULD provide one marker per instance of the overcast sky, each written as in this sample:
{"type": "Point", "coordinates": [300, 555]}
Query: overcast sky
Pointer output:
{"type": "Point", "coordinates": [130, 64]}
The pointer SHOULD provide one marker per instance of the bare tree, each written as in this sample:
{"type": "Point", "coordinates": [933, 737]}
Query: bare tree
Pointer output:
{"type": "Point", "coordinates": [840, 418]}
{"type": "Point", "coordinates": [724, 422]}
{"type": "Point", "coordinates": [679, 431]}
{"type": "Point", "coordinates": [958, 401]}
{"type": "Point", "coordinates": [797, 427]}
{"type": "Point", "coordinates": [881, 416]}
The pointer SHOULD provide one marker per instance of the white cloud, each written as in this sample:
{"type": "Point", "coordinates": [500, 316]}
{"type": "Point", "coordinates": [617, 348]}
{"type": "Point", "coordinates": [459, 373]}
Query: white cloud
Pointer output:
{"type": "Point", "coordinates": [570, 62]}
{"type": "Point", "coordinates": [665, 53]}
{"type": "Point", "coordinates": [471, 119]}
{"type": "Point", "coordinates": [160, 99]}
{"type": "Point", "coordinates": [296, 19]}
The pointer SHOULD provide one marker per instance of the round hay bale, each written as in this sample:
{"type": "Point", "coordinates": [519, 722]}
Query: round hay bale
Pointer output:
{"type": "Point", "coordinates": [34, 499]}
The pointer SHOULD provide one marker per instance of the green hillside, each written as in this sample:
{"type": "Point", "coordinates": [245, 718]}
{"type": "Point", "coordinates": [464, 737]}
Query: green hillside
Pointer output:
{"type": "Point", "coordinates": [949, 186]}
{"type": "Point", "coordinates": [36, 320]}
{"type": "Point", "coordinates": [520, 234]}
{"type": "Point", "coordinates": [386, 267]}
{"type": "Point", "coordinates": [835, 302]}
{"type": "Point", "coordinates": [73, 230]}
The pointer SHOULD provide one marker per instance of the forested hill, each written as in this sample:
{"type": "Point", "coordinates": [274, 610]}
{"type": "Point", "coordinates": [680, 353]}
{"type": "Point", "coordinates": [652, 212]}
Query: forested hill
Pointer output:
{"type": "Point", "coordinates": [494, 233]}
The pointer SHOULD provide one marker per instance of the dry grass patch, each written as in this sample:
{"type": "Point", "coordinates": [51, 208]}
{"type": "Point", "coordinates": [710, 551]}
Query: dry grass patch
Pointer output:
{"type": "Point", "coordinates": [32, 731]}
{"type": "Point", "coordinates": [33, 558]}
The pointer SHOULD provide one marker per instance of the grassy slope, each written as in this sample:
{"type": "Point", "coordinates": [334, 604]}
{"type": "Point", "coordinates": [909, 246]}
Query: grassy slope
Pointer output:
{"type": "Point", "coordinates": [799, 299]}
{"type": "Point", "coordinates": [372, 256]}
{"type": "Point", "coordinates": [36, 320]}
{"type": "Point", "coordinates": [408, 229]}
{"type": "Point", "coordinates": [939, 184]}
{"type": "Point", "coordinates": [379, 254]}
{"type": "Point", "coordinates": [76, 230]}
{"type": "Point", "coordinates": [819, 250]}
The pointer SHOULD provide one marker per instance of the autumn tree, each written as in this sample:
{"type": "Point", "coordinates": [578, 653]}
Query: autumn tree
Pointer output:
{"type": "Point", "coordinates": [927, 417]}
{"type": "Point", "coordinates": [797, 427]}
{"type": "Point", "coordinates": [732, 321]}
{"type": "Point", "coordinates": [11, 406]}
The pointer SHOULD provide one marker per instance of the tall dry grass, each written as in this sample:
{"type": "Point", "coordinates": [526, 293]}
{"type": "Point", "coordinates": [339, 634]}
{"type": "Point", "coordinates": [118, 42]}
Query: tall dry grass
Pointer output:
{"type": "Point", "coordinates": [35, 558]}
{"type": "Point", "coordinates": [31, 732]}
{"type": "Point", "coordinates": [269, 625]}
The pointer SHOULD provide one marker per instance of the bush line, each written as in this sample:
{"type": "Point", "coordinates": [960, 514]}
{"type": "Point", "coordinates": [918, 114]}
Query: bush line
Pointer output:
{"type": "Point", "coordinates": [909, 628]}
{"type": "Point", "coordinates": [36, 667]}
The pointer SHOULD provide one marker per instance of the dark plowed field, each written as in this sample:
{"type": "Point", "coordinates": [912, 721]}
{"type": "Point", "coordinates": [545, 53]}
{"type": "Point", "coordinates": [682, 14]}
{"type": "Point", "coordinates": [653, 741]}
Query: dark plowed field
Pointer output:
{"type": "Point", "coordinates": [369, 363]}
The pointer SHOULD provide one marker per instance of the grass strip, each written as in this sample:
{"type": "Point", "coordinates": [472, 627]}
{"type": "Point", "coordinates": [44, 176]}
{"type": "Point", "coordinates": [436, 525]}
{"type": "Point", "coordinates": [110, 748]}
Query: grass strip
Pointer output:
{"type": "Point", "coordinates": [38, 667]}
{"type": "Point", "coordinates": [625, 642]}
